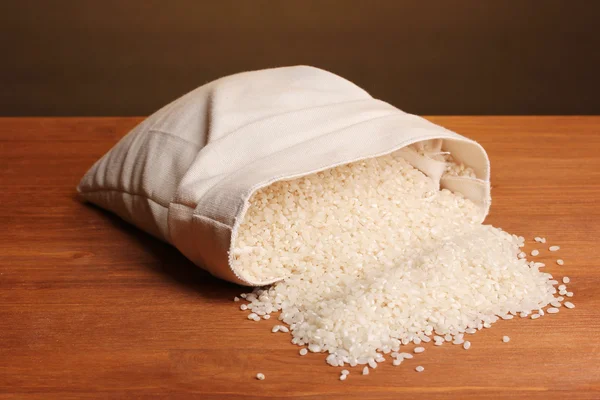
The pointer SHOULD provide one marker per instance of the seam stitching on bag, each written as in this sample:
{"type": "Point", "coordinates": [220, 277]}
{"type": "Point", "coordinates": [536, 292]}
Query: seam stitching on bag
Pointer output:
{"type": "Point", "coordinates": [218, 223]}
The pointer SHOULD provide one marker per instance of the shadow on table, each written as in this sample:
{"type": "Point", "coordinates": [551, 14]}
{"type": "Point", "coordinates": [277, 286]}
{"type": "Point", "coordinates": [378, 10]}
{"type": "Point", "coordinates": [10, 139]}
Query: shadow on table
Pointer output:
{"type": "Point", "coordinates": [169, 261]}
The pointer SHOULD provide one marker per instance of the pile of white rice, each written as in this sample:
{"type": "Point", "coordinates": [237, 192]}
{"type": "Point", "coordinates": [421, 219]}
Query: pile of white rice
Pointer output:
{"type": "Point", "coordinates": [376, 257]}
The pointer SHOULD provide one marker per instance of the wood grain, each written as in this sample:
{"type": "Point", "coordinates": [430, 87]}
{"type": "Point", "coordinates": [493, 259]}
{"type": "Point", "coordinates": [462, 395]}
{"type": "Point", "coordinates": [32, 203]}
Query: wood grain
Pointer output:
{"type": "Point", "coordinates": [91, 307]}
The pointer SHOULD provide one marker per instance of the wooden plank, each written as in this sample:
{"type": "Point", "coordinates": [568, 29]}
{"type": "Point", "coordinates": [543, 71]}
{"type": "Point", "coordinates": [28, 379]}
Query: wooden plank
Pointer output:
{"type": "Point", "coordinates": [91, 307]}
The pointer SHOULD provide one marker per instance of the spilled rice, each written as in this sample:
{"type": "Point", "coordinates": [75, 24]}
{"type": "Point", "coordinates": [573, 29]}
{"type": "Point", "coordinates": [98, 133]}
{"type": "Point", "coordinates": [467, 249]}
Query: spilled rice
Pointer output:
{"type": "Point", "coordinates": [376, 257]}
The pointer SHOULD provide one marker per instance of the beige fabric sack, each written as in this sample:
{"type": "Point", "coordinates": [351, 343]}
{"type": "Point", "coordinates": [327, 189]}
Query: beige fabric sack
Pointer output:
{"type": "Point", "coordinates": [185, 174]}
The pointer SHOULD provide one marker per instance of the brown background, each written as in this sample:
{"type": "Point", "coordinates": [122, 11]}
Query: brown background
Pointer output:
{"type": "Point", "coordinates": [129, 57]}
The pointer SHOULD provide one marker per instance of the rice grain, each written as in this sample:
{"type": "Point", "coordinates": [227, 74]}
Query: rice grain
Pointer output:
{"type": "Point", "coordinates": [375, 244]}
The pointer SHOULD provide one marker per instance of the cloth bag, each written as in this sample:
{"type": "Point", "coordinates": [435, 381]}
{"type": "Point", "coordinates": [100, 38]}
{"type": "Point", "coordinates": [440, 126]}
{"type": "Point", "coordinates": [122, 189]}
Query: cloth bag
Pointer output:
{"type": "Point", "coordinates": [185, 174]}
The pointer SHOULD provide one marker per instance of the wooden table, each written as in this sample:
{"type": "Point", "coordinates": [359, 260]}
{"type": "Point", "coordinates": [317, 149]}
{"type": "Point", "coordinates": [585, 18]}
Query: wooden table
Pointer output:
{"type": "Point", "coordinates": [91, 307]}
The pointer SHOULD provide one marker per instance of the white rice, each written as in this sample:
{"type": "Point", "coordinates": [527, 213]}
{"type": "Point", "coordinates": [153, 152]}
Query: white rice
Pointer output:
{"type": "Point", "coordinates": [375, 256]}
